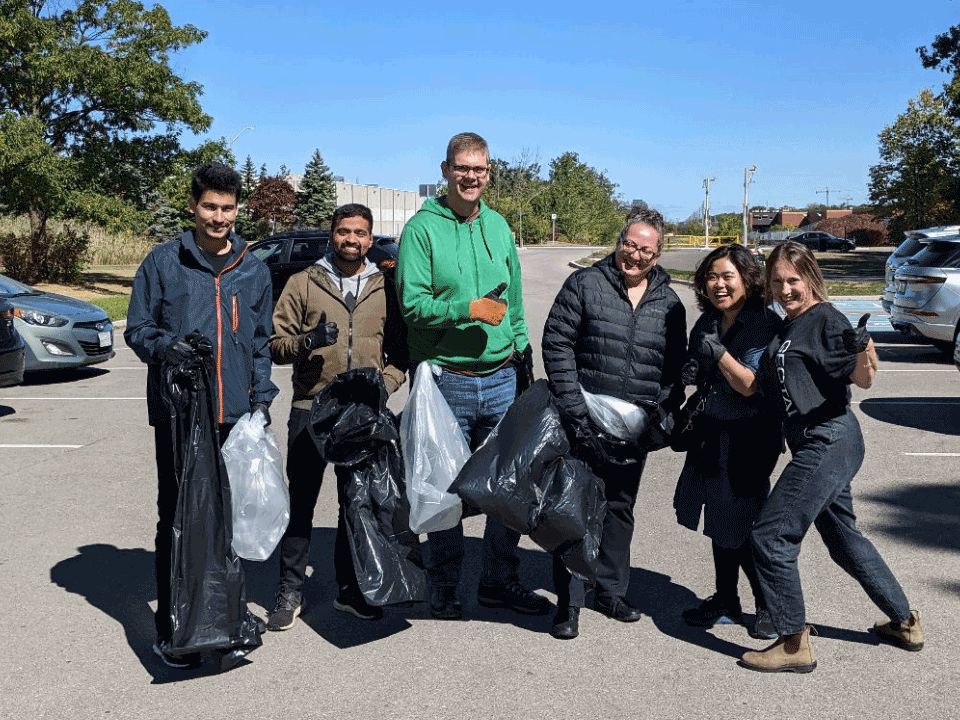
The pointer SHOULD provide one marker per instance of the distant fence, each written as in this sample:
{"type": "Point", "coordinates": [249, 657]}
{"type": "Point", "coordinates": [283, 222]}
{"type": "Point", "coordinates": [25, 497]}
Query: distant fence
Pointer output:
{"type": "Point", "coordinates": [698, 240]}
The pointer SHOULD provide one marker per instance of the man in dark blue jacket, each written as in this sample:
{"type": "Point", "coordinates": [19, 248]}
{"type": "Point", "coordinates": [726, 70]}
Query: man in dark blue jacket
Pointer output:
{"type": "Point", "coordinates": [205, 281]}
{"type": "Point", "coordinates": [616, 328]}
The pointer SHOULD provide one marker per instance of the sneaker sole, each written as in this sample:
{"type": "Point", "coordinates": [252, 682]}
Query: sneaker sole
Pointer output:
{"type": "Point", "coordinates": [278, 628]}
{"type": "Point", "coordinates": [175, 664]}
{"type": "Point", "coordinates": [353, 611]}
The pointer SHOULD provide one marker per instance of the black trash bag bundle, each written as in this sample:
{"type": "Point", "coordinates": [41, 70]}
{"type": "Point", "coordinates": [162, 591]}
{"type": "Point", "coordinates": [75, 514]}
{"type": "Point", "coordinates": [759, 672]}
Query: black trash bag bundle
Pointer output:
{"type": "Point", "coordinates": [352, 427]}
{"type": "Point", "coordinates": [208, 607]}
{"type": "Point", "coordinates": [524, 477]}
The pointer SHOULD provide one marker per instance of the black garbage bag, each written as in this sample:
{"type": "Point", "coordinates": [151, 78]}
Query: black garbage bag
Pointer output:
{"type": "Point", "coordinates": [524, 477]}
{"type": "Point", "coordinates": [208, 607]}
{"type": "Point", "coordinates": [352, 427]}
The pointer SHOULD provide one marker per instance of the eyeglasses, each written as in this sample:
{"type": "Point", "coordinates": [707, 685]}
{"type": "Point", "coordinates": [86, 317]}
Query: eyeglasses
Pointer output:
{"type": "Point", "coordinates": [479, 170]}
{"type": "Point", "coordinates": [631, 248]}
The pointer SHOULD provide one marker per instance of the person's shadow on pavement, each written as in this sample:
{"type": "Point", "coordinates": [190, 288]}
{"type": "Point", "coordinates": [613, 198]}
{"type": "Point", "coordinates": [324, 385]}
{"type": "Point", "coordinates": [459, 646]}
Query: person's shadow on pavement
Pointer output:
{"type": "Point", "coordinates": [121, 583]}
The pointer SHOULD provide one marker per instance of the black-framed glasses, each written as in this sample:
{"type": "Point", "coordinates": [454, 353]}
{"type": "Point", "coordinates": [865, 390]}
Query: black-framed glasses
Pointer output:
{"type": "Point", "coordinates": [478, 170]}
{"type": "Point", "coordinates": [631, 248]}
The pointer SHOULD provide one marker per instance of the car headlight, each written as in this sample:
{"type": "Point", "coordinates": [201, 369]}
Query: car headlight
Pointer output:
{"type": "Point", "coordinates": [35, 317]}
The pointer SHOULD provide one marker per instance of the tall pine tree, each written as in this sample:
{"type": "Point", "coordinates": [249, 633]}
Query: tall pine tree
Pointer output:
{"type": "Point", "coordinates": [317, 198]}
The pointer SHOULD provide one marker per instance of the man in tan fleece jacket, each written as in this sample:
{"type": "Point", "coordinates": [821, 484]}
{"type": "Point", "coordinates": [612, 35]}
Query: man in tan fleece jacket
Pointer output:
{"type": "Point", "coordinates": [336, 315]}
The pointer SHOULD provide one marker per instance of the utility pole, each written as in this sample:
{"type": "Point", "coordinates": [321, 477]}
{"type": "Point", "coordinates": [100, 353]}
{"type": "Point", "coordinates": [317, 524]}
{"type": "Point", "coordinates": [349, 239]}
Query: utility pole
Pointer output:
{"type": "Point", "coordinates": [747, 177]}
{"type": "Point", "coordinates": [706, 211]}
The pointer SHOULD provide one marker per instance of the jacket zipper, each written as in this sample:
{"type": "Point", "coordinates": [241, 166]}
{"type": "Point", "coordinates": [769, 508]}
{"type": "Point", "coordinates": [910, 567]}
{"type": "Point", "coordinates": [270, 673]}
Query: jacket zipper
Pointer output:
{"type": "Point", "coordinates": [216, 282]}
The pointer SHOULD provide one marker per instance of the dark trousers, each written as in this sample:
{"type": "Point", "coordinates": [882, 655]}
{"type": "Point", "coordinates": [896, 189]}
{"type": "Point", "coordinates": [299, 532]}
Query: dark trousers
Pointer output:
{"type": "Point", "coordinates": [168, 492]}
{"type": "Point", "coordinates": [621, 483]}
{"type": "Point", "coordinates": [727, 564]}
{"type": "Point", "coordinates": [814, 489]}
{"type": "Point", "coordinates": [305, 472]}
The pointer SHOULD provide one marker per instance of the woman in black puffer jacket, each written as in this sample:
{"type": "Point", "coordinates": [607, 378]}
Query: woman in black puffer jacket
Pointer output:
{"type": "Point", "coordinates": [616, 329]}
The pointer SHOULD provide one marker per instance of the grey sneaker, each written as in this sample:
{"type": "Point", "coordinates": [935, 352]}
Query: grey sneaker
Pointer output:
{"type": "Point", "coordinates": [286, 612]}
{"type": "Point", "coordinates": [762, 628]}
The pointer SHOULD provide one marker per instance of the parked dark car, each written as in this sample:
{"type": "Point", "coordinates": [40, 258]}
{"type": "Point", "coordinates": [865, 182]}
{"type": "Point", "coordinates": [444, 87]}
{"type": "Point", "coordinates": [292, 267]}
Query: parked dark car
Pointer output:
{"type": "Point", "coordinates": [11, 347]}
{"type": "Point", "coordinates": [823, 241]}
{"type": "Point", "coordinates": [59, 331]}
{"type": "Point", "coordinates": [289, 252]}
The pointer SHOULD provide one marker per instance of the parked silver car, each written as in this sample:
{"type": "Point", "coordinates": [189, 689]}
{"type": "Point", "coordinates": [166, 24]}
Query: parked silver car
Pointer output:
{"type": "Point", "coordinates": [906, 250]}
{"type": "Point", "coordinates": [927, 300]}
{"type": "Point", "coordinates": [59, 331]}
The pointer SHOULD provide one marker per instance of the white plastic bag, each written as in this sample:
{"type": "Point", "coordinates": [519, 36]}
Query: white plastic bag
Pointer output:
{"type": "Point", "coordinates": [622, 419]}
{"type": "Point", "coordinates": [260, 499]}
{"type": "Point", "coordinates": [434, 450]}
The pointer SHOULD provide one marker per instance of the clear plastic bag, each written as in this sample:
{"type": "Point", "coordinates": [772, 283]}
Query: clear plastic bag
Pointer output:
{"type": "Point", "coordinates": [622, 419]}
{"type": "Point", "coordinates": [434, 450]}
{"type": "Point", "coordinates": [261, 501]}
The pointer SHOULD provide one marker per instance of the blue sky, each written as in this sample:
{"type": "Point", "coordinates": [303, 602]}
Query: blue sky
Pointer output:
{"type": "Point", "coordinates": [659, 95]}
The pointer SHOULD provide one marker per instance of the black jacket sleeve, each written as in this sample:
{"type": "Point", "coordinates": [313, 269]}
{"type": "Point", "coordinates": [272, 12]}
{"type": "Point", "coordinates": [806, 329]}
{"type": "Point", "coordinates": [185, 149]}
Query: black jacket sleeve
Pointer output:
{"type": "Point", "coordinates": [560, 333]}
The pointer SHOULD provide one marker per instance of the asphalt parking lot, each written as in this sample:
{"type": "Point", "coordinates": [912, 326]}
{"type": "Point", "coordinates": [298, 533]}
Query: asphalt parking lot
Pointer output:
{"type": "Point", "coordinates": [76, 578]}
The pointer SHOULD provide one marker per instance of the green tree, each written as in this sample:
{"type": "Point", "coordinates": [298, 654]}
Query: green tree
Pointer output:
{"type": "Point", "coordinates": [583, 200]}
{"type": "Point", "coordinates": [92, 110]}
{"type": "Point", "coordinates": [512, 187]}
{"type": "Point", "coordinates": [317, 198]}
{"type": "Point", "coordinates": [944, 55]}
{"type": "Point", "coordinates": [913, 184]}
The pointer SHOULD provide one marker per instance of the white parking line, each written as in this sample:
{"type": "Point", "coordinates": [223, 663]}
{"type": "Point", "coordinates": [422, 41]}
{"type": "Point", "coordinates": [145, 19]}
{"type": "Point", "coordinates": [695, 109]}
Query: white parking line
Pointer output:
{"type": "Point", "coordinates": [70, 447]}
{"type": "Point", "coordinates": [65, 399]}
{"type": "Point", "coordinates": [919, 401]}
{"type": "Point", "coordinates": [932, 454]}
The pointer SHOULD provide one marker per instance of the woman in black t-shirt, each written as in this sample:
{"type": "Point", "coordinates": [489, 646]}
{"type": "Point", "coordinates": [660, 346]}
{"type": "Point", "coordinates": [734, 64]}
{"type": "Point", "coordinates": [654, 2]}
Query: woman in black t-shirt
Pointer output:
{"type": "Point", "coordinates": [808, 368]}
{"type": "Point", "coordinates": [728, 478]}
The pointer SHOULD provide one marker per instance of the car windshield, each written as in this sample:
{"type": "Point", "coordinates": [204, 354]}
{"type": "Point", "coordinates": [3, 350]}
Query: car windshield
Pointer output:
{"type": "Point", "coordinates": [14, 288]}
{"type": "Point", "coordinates": [938, 255]}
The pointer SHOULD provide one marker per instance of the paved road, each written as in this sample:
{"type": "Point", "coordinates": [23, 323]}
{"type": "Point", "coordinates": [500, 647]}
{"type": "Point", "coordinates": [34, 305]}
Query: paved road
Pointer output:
{"type": "Point", "coordinates": [76, 581]}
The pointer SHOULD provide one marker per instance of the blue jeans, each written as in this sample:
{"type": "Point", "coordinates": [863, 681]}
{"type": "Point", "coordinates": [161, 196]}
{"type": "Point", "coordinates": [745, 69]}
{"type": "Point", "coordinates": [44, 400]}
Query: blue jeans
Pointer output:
{"type": "Point", "coordinates": [478, 403]}
{"type": "Point", "coordinates": [814, 489]}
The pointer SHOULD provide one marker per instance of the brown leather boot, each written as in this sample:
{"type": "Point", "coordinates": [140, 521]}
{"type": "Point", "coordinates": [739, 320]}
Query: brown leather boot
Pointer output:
{"type": "Point", "coordinates": [907, 634]}
{"type": "Point", "coordinates": [790, 653]}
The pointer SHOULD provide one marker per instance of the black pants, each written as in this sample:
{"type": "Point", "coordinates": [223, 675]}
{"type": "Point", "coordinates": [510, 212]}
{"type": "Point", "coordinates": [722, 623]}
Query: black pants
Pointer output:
{"type": "Point", "coordinates": [305, 472]}
{"type": "Point", "coordinates": [168, 491]}
{"type": "Point", "coordinates": [621, 483]}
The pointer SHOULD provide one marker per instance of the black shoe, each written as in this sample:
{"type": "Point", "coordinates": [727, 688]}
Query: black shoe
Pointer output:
{"type": "Point", "coordinates": [178, 663]}
{"type": "Point", "coordinates": [566, 625]}
{"type": "Point", "coordinates": [355, 604]}
{"type": "Point", "coordinates": [444, 604]}
{"type": "Point", "coordinates": [617, 608]}
{"type": "Point", "coordinates": [762, 628]}
{"type": "Point", "coordinates": [515, 596]}
{"type": "Point", "coordinates": [285, 613]}
{"type": "Point", "coordinates": [714, 610]}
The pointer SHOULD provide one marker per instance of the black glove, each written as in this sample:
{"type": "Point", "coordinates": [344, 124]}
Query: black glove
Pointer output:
{"type": "Point", "coordinates": [496, 292]}
{"type": "Point", "coordinates": [323, 335]}
{"type": "Point", "coordinates": [586, 443]}
{"type": "Point", "coordinates": [710, 349]}
{"type": "Point", "coordinates": [524, 365]}
{"type": "Point", "coordinates": [178, 351]}
{"type": "Point", "coordinates": [855, 340]}
{"type": "Point", "coordinates": [262, 407]}
{"type": "Point", "coordinates": [690, 372]}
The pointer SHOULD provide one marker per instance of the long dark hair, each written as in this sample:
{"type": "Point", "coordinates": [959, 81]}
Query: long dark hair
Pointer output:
{"type": "Point", "coordinates": [745, 263]}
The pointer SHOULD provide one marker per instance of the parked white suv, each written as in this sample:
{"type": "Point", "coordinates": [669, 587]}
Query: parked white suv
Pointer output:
{"type": "Point", "coordinates": [927, 287]}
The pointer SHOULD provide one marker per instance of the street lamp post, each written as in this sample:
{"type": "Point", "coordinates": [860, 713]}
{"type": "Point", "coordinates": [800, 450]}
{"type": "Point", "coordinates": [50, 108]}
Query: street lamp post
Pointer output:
{"type": "Point", "coordinates": [706, 211]}
{"type": "Point", "coordinates": [234, 138]}
{"type": "Point", "coordinates": [553, 227]}
{"type": "Point", "coordinates": [747, 178]}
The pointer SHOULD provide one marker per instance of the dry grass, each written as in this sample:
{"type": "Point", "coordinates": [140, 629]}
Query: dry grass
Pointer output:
{"type": "Point", "coordinates": [106, 248]}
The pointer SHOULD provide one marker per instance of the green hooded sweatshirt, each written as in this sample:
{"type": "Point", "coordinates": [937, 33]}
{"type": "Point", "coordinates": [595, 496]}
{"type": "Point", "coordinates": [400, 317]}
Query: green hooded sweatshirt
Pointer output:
{"type": "Point", "coordinates": [444, 264]}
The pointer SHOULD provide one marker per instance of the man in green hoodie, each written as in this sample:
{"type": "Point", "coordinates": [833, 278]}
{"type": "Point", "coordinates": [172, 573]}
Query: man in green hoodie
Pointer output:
{"type": "Point", "coordinates": [462, 298]}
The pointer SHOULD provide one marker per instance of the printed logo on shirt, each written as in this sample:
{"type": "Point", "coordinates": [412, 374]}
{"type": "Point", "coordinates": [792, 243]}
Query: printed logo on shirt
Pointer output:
{"type": "Point", "coordinates": [782, 375]}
